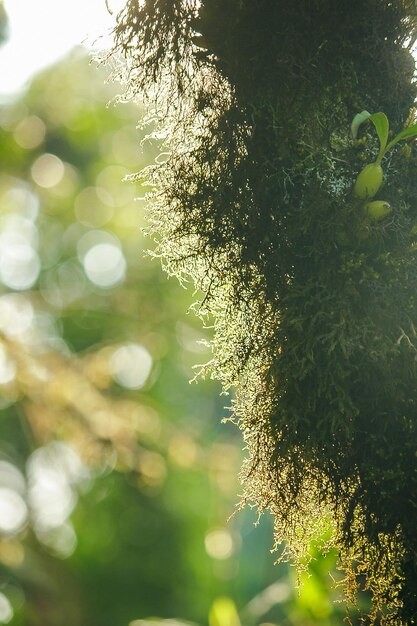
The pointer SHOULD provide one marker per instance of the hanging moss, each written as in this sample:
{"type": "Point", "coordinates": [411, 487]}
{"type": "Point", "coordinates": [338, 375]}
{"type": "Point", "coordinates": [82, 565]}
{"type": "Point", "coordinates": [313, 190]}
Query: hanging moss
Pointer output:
{"type": "Point", "coordinates": [314, 302]}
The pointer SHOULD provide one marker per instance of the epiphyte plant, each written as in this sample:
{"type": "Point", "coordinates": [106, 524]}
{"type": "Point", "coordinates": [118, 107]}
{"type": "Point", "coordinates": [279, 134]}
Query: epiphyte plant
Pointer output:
{"type": "Point", "coordinates": [378, 209]}
{"type": "Point", "coordinates": [370, 178]}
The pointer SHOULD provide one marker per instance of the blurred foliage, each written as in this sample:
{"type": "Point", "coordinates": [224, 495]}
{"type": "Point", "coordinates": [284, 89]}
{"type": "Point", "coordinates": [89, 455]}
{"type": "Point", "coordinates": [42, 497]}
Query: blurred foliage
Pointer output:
{"type": "Point", "coordinates": [116, 477]}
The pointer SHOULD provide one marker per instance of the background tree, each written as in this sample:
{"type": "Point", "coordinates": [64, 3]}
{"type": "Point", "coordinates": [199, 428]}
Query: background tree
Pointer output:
{"type": "Point", "coordinates": [313, 298]}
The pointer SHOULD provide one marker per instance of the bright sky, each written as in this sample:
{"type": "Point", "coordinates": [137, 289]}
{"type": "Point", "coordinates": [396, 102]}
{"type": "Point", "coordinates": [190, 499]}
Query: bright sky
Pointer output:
{"type": "Point", "coordinates": [42, 31]}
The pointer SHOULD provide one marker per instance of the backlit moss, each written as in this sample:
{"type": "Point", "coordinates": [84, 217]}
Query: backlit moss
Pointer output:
{"type": "Point", "coordinates": [314, 303]}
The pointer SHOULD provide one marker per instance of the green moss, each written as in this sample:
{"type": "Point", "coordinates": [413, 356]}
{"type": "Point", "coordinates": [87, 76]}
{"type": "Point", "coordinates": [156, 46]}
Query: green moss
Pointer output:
{"type": "Point", "coordinates": [314, 304]}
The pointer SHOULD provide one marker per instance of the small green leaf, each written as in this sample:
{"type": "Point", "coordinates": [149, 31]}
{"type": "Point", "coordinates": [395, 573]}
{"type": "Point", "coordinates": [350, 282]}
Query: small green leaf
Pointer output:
{"type": "Point", "coordinates": [407, 133]}
{"type": "Point", "coordinates": [380, 121]}
{"type": "Point", "coordinates": [357, 121]}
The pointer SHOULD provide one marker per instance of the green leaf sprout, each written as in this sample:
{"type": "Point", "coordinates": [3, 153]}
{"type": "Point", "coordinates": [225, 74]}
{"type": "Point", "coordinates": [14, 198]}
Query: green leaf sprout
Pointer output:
{"type": "Point", "coordinates": [370, 178]}
{"type": "Point", "coordinates": [380, 121]}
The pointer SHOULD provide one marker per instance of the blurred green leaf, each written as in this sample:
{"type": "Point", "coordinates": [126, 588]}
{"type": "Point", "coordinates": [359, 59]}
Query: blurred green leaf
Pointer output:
{"type": "Point", "coordinates": [223, 612]}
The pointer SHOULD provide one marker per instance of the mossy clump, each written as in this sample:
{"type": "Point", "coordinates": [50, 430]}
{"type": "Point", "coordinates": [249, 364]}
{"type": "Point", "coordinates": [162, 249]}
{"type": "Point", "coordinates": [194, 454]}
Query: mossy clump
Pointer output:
{"type": "Point", "coordinates": [314, 302]}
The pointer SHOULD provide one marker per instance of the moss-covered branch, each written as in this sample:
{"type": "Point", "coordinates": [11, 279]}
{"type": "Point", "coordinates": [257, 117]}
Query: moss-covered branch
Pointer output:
{"type": "Point", "coordinates": [314, 301]}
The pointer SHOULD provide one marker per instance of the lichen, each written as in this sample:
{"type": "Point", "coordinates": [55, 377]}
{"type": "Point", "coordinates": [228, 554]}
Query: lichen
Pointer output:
{"type": "Point", "coordinates": [314, 305]}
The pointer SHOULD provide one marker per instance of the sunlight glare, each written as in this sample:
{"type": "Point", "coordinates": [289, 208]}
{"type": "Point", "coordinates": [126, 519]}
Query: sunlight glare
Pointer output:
{"type": "Point", "coordinates": [43, 31]}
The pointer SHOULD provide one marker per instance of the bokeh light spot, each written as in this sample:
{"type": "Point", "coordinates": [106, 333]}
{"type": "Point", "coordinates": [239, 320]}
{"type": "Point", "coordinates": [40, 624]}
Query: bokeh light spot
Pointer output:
{"type": "Point", "coordinates": [12, 552]}
{"type": "Point", "coordinates": [219, 543]}
{"type": "Point", "coordinates": [22, 200]}
{"type": "Point", "coordinates": [152, 469]}
{"type": "Point", "coordinates": [52, 472]}
{"type": "Point", "coordinates": [64, 284]}
{"type": "Point", "coordinates": [66, 186]}
{"type": "Point", "coordinates": [183, 450]}
{"type": "Point", "coordinates": [30, 132]}
{"type": "Point", "coordinates": [13, 511]}
{"type": "Point", "coordinates": [60, 540]}
{"type": "Point", "coordinates": [7, 367]}
{"type": "Point", "coordinates": [16, 314]}
{"type": "Point", "coordinates": [19, 261]}
{"type": "Point", "coordinates": [19, 265]}
{"type": "Point", "coordinates": [17, 229]}
{"type": "Point", "coordinates": [47, 170]}
{"type": "Point", "coordinates": [131, 365]}
{"type": "Point", "coordinates": [11, 477]}
{"type": "Point", "coordinates": [105, 265]}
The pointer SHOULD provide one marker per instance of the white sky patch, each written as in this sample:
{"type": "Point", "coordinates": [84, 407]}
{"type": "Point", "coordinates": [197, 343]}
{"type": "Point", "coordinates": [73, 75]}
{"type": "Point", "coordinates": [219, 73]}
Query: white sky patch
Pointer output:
{"type": "Point", "coordinates": [43, 31]}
